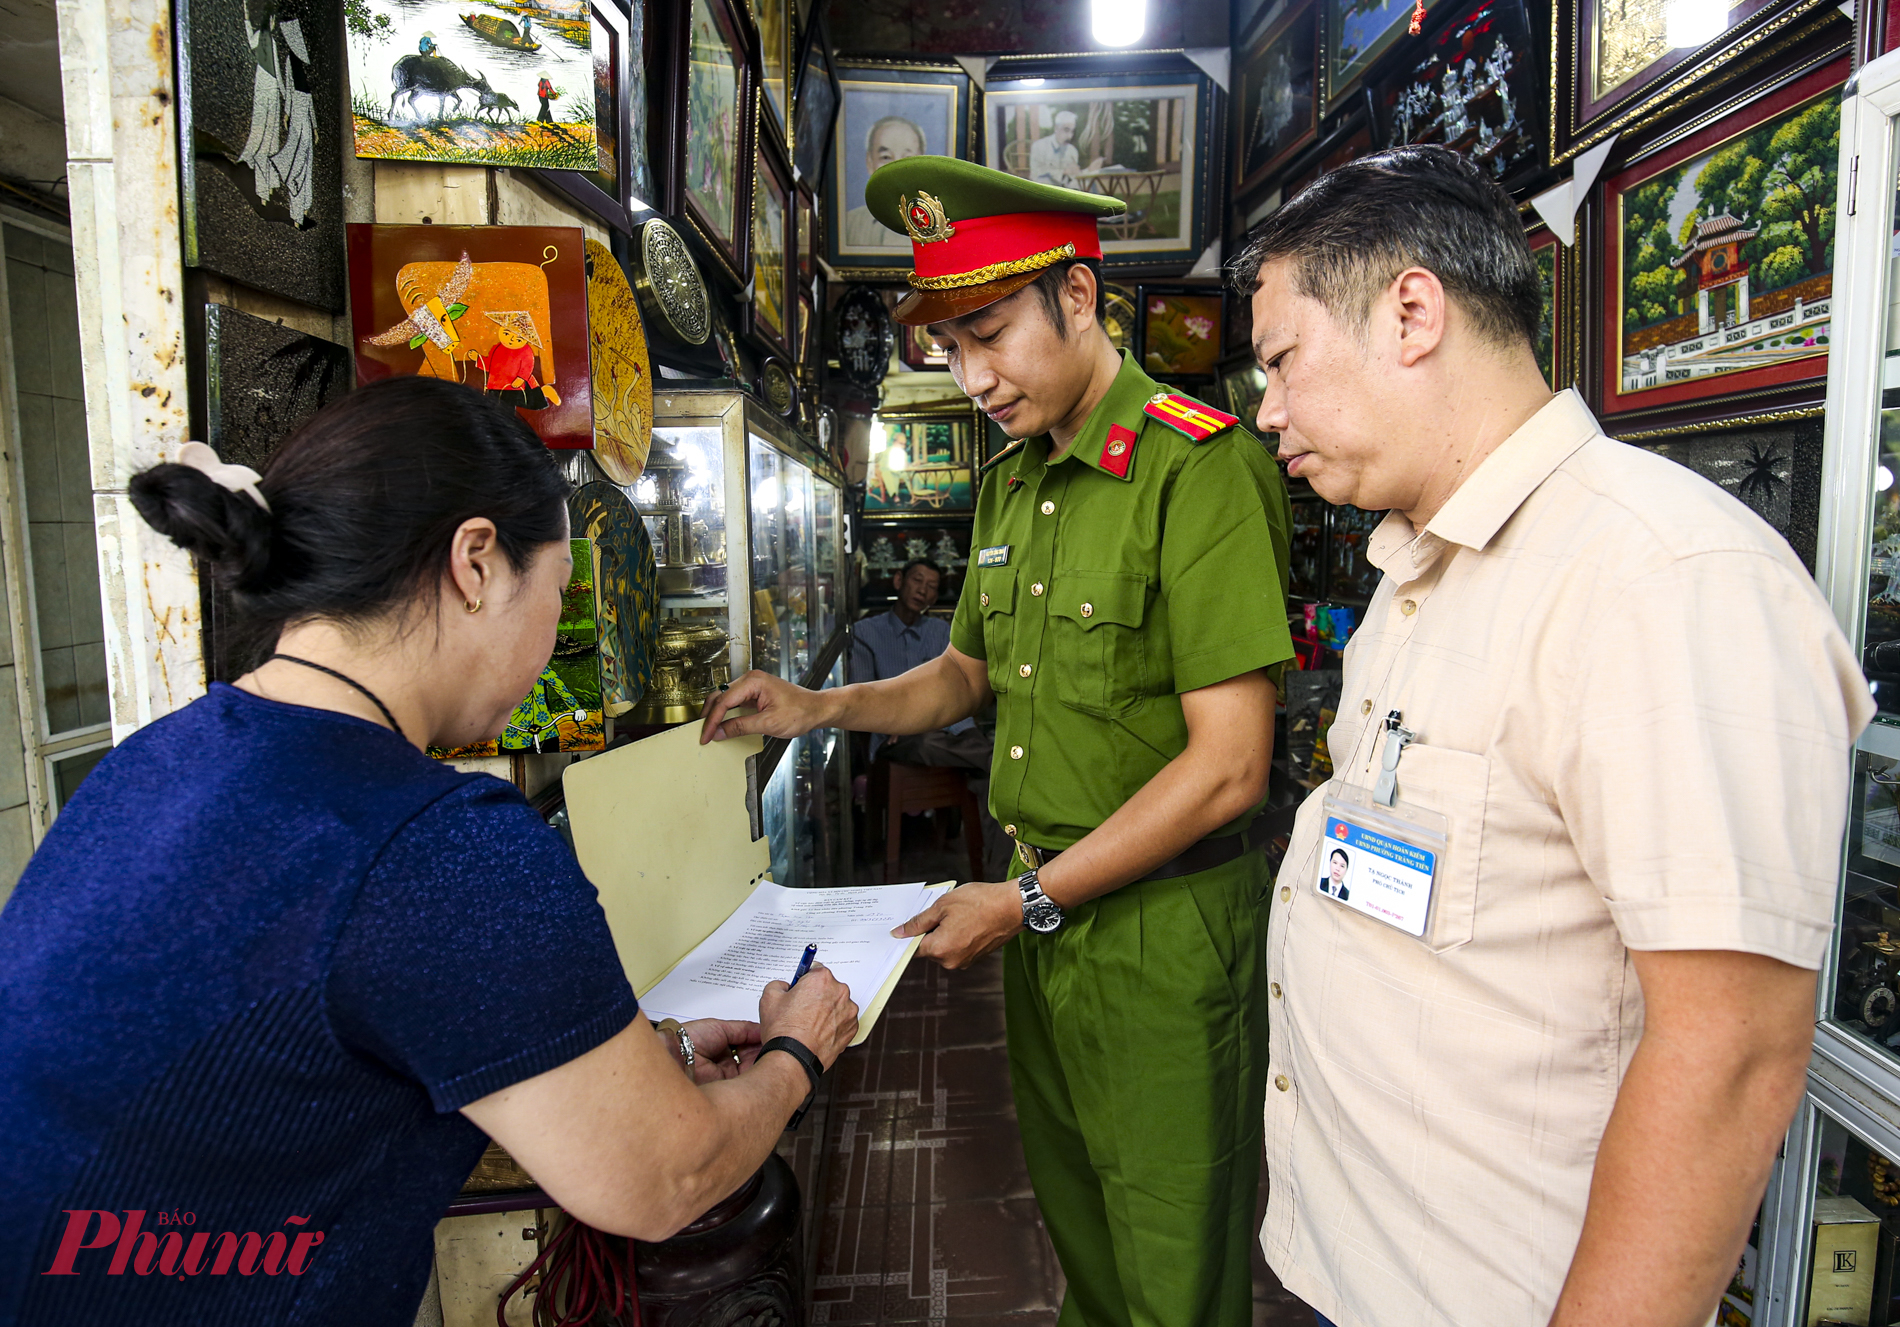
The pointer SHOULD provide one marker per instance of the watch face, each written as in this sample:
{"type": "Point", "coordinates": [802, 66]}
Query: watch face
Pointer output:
{"type": "Point", "coordinates": [1042, 916]}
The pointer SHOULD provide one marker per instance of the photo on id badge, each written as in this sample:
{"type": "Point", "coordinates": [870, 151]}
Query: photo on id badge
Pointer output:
{"type": "Point", "coordinates": [1366, 866]}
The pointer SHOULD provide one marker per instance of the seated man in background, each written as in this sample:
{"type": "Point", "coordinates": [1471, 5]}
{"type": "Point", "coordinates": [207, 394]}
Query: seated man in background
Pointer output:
{"type": "Point", "coordinates": [895, 642]}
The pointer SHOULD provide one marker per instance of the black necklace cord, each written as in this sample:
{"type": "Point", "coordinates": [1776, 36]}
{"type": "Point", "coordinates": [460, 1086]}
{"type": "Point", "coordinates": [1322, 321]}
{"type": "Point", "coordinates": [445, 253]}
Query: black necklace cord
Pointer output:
{"type": "Point", "coordinates": [347, 681]}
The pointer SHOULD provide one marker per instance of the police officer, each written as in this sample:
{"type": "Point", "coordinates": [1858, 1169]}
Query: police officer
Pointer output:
{"type": "Point", "coordinates": [1127, 610]}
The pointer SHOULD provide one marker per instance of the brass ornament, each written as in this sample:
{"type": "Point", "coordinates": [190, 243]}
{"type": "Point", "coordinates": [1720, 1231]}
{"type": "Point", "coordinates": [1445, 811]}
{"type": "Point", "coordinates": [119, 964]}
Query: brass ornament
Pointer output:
{"type": "Point", "coordinates": [925, 220]}
{"type": "Point", "coordinates": [669, 287]}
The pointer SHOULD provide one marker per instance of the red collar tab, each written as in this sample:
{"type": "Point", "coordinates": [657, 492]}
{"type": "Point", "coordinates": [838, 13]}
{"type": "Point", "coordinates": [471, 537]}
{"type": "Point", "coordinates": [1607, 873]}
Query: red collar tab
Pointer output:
{"type": "Point", "coordinates": [1186, 415]}
{"type": "Point", "coordinates": [1118, 453]}
{"type": "Point", "coordinates": [979, 249]}
{"type": "Point", "coordinates": [1015, 482]}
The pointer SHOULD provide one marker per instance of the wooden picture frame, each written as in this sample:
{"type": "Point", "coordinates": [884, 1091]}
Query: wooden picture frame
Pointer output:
{"type": "Point", "coordinates": [814, 106]}
{"type": "Point", "coordinates": [619, 105]}
{"type": "Point", "coordinates": [1472, 85]}
{"type": "Point", "coordinates": [1556, 346]}
{"type": "Point", "coordinates": [1351, 44]}
{"type": "Point", "coordinates": [1270, 128]}
{"type": "Point", "coordinates": [917, 349]}
{"type": "Point", "coordinates": [1067, 120]}
{"type": "Point", "coordinates": [776, 25]}
{"type": "Point", "coordinates": [771, 314]}
{"type": "Point", "coordinates": [1742, 313]}
{"type": "Point", "coordinates": [709, 124]}
{"type": "Point", "coordinates": [1178, 333]}
{"type": "Point", "coordinates": [937, 474]}
{"type": "Point", "coordinates": [1614, 77]}
{"type": "Point", "coordinates": [886, 109]}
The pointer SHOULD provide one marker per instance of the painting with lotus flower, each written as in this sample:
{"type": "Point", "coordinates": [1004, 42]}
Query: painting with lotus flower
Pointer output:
{"type": "Point", "coordinates": [1180, 332]}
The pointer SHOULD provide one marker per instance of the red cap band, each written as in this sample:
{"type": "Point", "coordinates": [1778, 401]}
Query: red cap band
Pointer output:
{"type": "Point", "coordinates": [979, 247]}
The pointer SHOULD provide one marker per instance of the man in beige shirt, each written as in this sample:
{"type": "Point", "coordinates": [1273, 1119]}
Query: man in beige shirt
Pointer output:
{"type": "Point", "coordinates": [1549, 1086]}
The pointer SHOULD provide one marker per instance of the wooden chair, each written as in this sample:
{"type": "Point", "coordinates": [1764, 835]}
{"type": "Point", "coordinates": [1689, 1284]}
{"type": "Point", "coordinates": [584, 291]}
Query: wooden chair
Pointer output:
{"type": "Point", "coordinates": [903, 788]}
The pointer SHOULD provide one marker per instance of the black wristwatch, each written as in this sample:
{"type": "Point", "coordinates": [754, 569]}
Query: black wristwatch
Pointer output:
{"type": "Point", "coordinates": [813, 1068]}
{"type": "Point", "coordinates": [1040, 912]}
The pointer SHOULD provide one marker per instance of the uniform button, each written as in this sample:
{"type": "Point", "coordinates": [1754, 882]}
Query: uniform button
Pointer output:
{"type": "Point", "coordinates": [1088, 610]}
{"type": "Point", "coordinates": [1409, 607]}
{"type": "Point", "coordinates": [1279, 1081]}
{"type": "Point", "coordinates": [1286, 894]}
{"type": "Point", "coordinates": [1010, 830]}
{"type": "Point", "coordinates": [1015, 753]}
{"type": "Point", "coordinates": [984, 599]}
{"type": "Point", "coordinates": [1276, 990]}
{"type": "Point", "coordinates": [1048, 508]}
{"type": "Point", "coordinates": [1036, 589]}
{"type": "Point", "coordinates": [1365, 706]}
{"type": "Point", "coordinates": [1025, 670]}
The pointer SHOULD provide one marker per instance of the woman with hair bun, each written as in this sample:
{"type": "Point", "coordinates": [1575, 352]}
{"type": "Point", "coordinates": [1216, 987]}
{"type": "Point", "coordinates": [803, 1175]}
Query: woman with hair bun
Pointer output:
{"type": "Point", "coordinates": [274, 970]}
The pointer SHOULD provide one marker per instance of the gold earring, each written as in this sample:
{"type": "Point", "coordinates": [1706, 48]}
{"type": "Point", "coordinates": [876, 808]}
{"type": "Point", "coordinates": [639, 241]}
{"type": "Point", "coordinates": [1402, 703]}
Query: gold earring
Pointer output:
{"type": "Point", "coordinates": [475, 607]}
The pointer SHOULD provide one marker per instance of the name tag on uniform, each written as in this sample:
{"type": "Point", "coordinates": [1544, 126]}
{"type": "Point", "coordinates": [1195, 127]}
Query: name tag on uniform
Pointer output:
{"type": "Point", "coordinates": [993, 557]}
{"type": "Point", "coordinates": [1381, 861]}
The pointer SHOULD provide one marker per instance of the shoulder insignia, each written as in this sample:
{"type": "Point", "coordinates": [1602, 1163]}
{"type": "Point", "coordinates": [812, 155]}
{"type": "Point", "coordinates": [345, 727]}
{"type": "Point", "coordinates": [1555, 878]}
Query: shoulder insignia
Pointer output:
{"type": "Point", "coordinates": [1119, 451]}
{"type": "Point", "coordinates": [1186, 415]}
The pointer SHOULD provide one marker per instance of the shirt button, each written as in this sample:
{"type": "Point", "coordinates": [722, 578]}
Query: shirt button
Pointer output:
{"type": "Point", "coordinates": [1409, 607]}
{"type": "Point", "coordinates": [984, 599]}
{"type": "Point", "coordinates": [1365, 706]}
{"type": "Point", "coordinates": [1036, 589]}
{"type": "Point", "coordinates": [1088, 610]}
{"type": "Point", "coordinates": [1286, 894]}
{"type": "Point", "coordinates": [1015, 753]}
{"type": "Point", "coordinates": [1276, 990]}
{"type": "Point", "coordinates": [1024, 670]}
{"type": "Point", "coordinates": [1010, 830]}
{"type": "Point", "coordinates": [1279, 1081]}
{"type": "Point", "coordinates": [1048, 508]}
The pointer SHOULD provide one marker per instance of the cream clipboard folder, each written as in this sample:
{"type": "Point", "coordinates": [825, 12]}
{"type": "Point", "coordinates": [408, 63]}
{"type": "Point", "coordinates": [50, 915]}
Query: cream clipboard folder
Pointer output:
{"type": "Point", "coordinates": [661, 828]}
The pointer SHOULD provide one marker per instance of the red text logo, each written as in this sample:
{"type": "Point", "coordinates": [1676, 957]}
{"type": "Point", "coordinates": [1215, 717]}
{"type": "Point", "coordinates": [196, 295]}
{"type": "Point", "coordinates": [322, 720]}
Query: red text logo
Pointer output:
{"type": "Point", "coordinates": [176, 1253]}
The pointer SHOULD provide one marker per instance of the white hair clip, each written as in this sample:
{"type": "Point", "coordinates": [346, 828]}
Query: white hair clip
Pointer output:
{"type": "Point", "coordinates": [237, 478]}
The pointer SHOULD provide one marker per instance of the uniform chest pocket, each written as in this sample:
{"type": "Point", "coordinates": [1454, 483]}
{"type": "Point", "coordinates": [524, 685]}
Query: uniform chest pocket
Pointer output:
{"type": "Point", "coordinates": [996, 600]}
{"type": "Point", "coordinates": [1098, 648]}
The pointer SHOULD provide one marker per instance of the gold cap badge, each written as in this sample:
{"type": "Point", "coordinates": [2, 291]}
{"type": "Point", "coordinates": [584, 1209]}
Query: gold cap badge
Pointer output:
{"type": "Point", "coordinates": [924, 219]}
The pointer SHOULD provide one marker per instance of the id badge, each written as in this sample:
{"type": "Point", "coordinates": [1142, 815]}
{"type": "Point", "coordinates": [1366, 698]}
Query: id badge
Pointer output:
{"type": "Point", "coordinates": [1382, 861]}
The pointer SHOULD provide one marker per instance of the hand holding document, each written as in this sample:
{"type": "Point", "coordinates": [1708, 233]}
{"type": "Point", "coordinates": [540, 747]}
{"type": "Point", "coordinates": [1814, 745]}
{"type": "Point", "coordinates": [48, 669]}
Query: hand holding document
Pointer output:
{"type": "Point", "coordinates": [763, 939]}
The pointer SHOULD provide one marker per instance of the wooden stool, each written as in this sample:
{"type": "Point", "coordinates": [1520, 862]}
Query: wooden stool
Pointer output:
{"type": "Point", "coordinates": [925, 788]}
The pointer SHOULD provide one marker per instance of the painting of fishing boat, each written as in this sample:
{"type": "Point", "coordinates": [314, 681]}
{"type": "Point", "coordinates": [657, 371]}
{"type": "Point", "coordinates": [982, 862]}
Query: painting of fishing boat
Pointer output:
{"type": "Point", "coordinates": [495, 83]}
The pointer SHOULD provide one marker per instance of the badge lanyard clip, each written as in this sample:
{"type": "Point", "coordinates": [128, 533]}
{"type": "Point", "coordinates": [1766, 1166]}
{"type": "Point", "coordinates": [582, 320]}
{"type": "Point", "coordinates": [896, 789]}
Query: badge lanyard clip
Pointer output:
{"type": "Point", "coordinates": [1397, 737]}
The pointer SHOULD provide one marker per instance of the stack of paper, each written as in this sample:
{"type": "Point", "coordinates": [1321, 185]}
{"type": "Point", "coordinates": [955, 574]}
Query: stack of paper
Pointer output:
{"type": "Point", "coordinates": [765, 937]}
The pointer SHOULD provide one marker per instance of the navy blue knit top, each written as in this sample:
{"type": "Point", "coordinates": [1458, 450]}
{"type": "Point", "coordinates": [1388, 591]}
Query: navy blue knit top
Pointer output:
{"type": "Point", "coordinates": [262, 959]}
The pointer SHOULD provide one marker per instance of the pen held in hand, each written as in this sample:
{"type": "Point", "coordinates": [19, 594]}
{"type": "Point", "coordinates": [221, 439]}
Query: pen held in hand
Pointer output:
{"type": "Point", "coordinates": [804, 964]}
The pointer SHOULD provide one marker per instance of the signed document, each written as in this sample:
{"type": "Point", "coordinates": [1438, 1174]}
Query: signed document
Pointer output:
{"type": "Point", "coordinates": [764, 938]}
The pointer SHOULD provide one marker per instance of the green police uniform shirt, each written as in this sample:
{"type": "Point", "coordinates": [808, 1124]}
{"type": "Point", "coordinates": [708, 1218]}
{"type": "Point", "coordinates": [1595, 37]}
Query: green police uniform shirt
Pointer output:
{"type": "Point", "coordinates": [1139, 565]}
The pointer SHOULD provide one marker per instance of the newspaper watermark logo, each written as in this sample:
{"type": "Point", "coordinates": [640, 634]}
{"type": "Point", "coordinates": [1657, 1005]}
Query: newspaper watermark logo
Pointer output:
{"type": "Point", "coordinates": [179, 1253]}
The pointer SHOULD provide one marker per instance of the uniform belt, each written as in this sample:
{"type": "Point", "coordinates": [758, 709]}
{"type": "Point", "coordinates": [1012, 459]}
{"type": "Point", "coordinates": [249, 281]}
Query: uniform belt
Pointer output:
{"type": "Point", "coordinates": [1202, 856]}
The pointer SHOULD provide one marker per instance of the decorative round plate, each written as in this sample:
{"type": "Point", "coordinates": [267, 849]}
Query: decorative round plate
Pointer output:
{"type": "Point", "coordinates": [1120, 324]}
{"type": "Point", "coordinates": [628, 585]}
{"type": "Point", "coordinates": [776, 384]}
{"type": "Point", "coordinates": [623, 376]}
{"type": "Point", "coordinates": [670, 287]}
{"type": "Point", "coordinates": [865, 336]}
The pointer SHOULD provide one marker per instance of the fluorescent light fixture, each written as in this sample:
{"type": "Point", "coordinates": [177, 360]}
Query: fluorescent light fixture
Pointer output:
{"type": "Point", "coordinates": [1693, 22]}
{"type": "Point", "coordinates": [1121, 22]}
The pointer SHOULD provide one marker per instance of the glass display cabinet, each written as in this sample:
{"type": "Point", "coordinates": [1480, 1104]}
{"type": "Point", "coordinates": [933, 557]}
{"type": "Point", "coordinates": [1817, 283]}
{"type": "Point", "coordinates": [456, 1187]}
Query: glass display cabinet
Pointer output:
{"type": "Point", "coordinates": [1828, 1248]}
{"type": "Point", "coordinates": [747, 520]}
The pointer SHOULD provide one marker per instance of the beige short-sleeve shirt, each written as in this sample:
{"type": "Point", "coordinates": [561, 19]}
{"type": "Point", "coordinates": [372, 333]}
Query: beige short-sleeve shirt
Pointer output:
{"type": "Point", "coordinates": [1635, 711]}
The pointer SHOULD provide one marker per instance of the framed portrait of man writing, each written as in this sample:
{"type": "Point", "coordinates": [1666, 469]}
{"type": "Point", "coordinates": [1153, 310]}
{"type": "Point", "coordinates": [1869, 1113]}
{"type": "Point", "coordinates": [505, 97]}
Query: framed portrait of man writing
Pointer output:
{"type": "Point", "coordinates": [1717, 254]}
{"type": "Point", "coordinates": [1142, 137]}
{"type": "Point", "coordinates": [888, 110]}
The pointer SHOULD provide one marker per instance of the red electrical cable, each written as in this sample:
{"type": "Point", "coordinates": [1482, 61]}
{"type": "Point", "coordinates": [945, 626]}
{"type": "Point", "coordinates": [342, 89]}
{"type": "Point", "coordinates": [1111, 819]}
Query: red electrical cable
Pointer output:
{"type": "Point", "coordinates": [582, 1279]}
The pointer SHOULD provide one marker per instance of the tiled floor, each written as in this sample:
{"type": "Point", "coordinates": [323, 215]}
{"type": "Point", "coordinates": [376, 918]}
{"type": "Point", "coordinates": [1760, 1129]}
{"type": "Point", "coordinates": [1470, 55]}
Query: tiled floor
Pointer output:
{"type": "Point", "coordinates": [927, 1214]}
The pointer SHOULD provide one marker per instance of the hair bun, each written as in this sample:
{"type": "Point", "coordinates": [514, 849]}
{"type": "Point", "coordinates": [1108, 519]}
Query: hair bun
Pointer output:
{"type": "Point", "coordinates": [229, 531]}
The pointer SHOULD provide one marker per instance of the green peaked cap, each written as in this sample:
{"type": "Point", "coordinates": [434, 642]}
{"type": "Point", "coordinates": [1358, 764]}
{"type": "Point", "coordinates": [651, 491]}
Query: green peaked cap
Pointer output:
{"type": "Point", "coordinates": [968, 190]}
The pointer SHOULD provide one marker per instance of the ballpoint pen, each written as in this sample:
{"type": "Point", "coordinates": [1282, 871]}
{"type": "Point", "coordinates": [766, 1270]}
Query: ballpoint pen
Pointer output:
{"type": "Point", "coordinates": [804, 964]}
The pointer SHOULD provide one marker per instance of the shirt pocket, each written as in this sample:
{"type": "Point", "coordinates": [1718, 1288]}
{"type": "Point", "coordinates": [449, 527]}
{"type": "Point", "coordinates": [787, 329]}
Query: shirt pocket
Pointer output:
{"type": "Point", "coordinates": [1096, 639]}
{"type": "Point", "coordinates": [996, 590]}
{"type": "Point", "coordinates": [1456, 785]}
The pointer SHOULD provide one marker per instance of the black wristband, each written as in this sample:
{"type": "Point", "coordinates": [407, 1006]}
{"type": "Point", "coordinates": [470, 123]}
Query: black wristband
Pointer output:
{"type": "Point", "coordinates": [814, 1070]}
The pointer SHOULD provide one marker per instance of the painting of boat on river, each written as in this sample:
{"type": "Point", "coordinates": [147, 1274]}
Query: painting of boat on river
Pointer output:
{"type": "Point", "coordinates": [474, 82]}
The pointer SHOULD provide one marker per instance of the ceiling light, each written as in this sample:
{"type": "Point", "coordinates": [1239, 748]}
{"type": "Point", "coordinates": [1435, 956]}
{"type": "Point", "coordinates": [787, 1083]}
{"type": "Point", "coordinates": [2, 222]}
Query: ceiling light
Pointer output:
{"type": "Point", "coordinates": [1120, 22]}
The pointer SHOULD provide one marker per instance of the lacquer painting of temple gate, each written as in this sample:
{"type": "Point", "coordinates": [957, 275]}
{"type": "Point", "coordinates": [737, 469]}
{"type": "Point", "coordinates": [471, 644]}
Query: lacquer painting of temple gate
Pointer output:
{"type": "Point", "coordinates": [475, 82]}
{"type": "Point", "coordinates": [1724, 257]}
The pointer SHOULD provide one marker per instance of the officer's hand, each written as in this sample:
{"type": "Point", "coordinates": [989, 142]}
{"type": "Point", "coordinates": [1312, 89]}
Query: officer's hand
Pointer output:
{"type": "Point", "coordinates": [784, 710]}
{"type": "Point", "coordinates": [967, 923]}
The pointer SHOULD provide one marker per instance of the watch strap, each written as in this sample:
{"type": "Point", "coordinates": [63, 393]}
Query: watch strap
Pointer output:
{"type": "Point", "coordinates": [810, 1063]}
